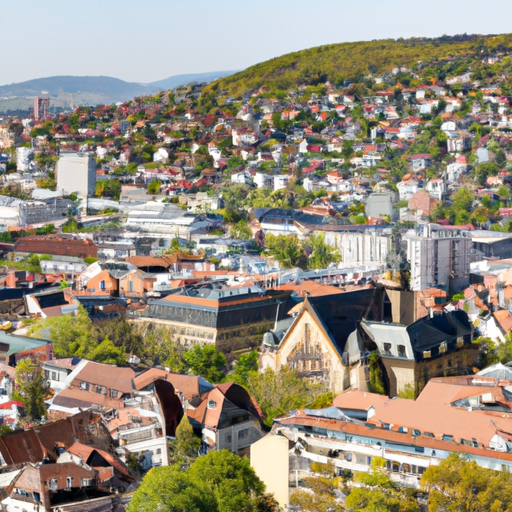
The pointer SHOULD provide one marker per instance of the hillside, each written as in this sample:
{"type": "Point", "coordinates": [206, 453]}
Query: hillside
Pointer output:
{"type": "Point", "coordinates": [440, 57]}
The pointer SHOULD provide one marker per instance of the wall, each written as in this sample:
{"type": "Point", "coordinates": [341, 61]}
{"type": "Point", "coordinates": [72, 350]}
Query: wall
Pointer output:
{"type": "Point", "coordinates": [76, 174]}
{"type": "Point", "coordinates": [270, 461]}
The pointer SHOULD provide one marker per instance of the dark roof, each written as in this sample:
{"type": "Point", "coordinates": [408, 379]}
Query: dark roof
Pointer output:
{"type": "Point", "coordinates": [340, 313]}
{"type": "Point", "coordinates": [429, 332]}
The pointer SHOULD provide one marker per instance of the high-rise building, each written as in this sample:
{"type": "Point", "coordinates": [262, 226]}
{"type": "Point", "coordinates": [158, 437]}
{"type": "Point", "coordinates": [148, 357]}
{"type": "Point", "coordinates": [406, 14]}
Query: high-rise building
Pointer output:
{"type": "Point", "coordinates": [76, 174]}
{"type": "Point", "coordinates": [439, 257]}
{"type": "Point", "coordinates": [41, 108]}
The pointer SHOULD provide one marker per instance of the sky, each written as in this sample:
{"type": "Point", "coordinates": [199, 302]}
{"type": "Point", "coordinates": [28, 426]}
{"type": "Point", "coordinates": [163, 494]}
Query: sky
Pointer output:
{"type": "Point", "coordinates": [145, 41]}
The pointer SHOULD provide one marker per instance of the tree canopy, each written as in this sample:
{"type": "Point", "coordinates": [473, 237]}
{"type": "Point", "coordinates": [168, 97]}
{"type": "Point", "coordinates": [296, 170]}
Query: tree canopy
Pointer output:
{"type": "Point", "coordinates": [217, 482]}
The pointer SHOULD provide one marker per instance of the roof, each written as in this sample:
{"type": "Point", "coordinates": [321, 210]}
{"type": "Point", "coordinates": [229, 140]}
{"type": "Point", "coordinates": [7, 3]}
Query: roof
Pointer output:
{"type": "Point", "coordinates": [358, 400]}
{"type": "Point", "coordinates": [14, 344]}
{"type": "Point", "coordinates": [147, 261]}
{"type": "Point", "coordinates": [107, 375]}
{"type": "Point", "coordinates": [84, 452]}
{"type": "Point", "coordinates": [311, 288]}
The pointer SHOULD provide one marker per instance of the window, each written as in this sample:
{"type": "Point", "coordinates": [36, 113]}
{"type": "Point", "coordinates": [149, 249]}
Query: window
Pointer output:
{"type": "Point", "coordinates": [85, 482]}
{"type": "Point", "coordinates": [447, 437]}
{"type": "Point", "coordinates": [443, 347]}
{"type": "Point", "coordinates": [401, 351]}
{"type": "Point", "coordinates": [113, 393]}
{"type": "Point", "coordinates": [387, 349]}
{"type": "Point", "coordinates": [69, 482]}
{"type": "Point", "coordinates": [228, 438]}
{"type": "Point", "coordinates": [158, 451]}
{"type": "Point", "coordinates": [243, 433]}
{"type": "Point", "coordinates": [348, 457]}
{"type": "Point", "coordinates": [102, 285]}
{"type": "Point", "coordinates": [84, 386]}
{"type": "Point", "coordinates": [54, 376]}
{"type": "Point", "coordinates": [130, 285]}
{"type": "Point", "coordinates": [102, 390]}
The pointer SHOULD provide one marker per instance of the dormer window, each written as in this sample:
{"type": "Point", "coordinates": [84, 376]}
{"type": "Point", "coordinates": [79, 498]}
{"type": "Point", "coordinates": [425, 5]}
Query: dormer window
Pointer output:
{"type": "Point", "coordinates": [212, 404]}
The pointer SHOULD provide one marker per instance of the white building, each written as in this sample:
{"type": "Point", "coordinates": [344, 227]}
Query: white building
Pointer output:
{"type": "Point", "coordinates": [23, 158]}
{"type": "Point", "coordinates": [439, 257]}
{"type": "Point", "coordinates": [76, 174]}
{"type": "Point", "coordinates": [361, 248]}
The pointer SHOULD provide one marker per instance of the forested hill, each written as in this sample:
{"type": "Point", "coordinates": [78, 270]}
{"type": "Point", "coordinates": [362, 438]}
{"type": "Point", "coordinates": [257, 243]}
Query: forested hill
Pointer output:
{"type": "Point", "coordinates": [337, 63]}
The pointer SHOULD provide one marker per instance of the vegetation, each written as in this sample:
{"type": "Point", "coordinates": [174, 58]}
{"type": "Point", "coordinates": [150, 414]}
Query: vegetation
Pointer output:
{"type": "Point", "coordinates": [352, 61]}
{"type": "Point", "coordinates": [459, 484]}
{"type": "Point", "coordinates": [378, 493]}
{"type": "Point", "coordinates": [184, 449]}
{"type": "Point", "coordinates": [217, 482]}
{"type": "Point", "coordinates": [31, 388]}
{"type": "Point", "coordinates": [281, 392]}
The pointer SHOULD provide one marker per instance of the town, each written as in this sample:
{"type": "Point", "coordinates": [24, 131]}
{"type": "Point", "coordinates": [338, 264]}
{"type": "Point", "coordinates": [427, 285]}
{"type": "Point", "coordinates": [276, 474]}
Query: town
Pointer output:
{"type": "Point", "coordinates": [315, 278]}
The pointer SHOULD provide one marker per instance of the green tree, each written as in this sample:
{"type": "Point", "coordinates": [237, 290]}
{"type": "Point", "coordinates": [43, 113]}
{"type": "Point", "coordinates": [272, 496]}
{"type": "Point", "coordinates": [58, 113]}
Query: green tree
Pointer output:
{"type": "Point", "coordinates": [378, 493]}
{"type": "Point", "coordinates": [460, 485]}
{"type": "Point", "coordinates": [322, 255]}
{"type": "Point", "coordinates": [154, 187]}
{"type": "Point", "coordinates": [184, 449]}
{"type": "Point", "coordinates": [245, 364]}
{"type": "Point", "coordinates": [106, 352]}
{"type": "Point", "coordinates": [217, 482]}
{"type": "Point", "coordinates": [71, 335]}
{"type": "Point", "coordinates": [287, 250]}
{"type": "Point", "coordinates": [205, 361]}
{"type": "Point", "coordinates": [31, 389]}
{"type": "Point", "coordinates": [318, 496]}
{"type": "Point", "coordinates": [282, 391]}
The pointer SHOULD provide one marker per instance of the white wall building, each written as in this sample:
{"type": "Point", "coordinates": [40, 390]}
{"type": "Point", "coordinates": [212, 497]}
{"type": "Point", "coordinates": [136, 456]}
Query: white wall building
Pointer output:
{"type": "Point", "coordinates": [438, 257]}
{"type": "Point", "coordinates": [76, 174]}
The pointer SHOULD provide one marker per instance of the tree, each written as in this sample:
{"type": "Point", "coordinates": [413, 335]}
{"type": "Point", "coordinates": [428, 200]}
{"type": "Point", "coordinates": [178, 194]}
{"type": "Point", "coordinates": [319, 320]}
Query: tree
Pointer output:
{"type": "Point", "coordinates": [154, 187]}
{"type": "Point", "coordinates": [184, 449]}
{"type": "Point", "coordinates": [106, 352]}
{"type": "Point", "coordinates": [322, 255]}
{"type": "Point", "coordinates": [320, 496]}
{"type": "Point", "coordinates": [378, 493]}
{"type": "Point", "coordinates": [282, 391]}
{"type": "Point", "coordinates": [287, 250]}
{"type": "Point", "coordinates": [31, 389]}
{"type": "Point", "coordinates": [205, 361]}
{"type": "Point", "coordinates": [71, 335]}
{"type": "Point", "coordinates": [246, 364]}
{"type": "Point", "coordinates": [459, 484]}
{"type": "Point", "coordinates": [217, 482]}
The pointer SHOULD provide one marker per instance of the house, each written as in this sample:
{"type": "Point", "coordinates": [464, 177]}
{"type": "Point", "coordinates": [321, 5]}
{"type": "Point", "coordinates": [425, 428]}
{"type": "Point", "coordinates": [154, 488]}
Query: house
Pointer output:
{"type": "Point", "coordinates": [423, 203]}
{"type": "Point", "coordinates": [321, 342]}
{"type": "Point", "coordinates": [227, 418]}
{"type": "Point", "coordinates": [466, 415]}
{"type": "Point", "coordinates": [436, 187]}
{"type": "Point", "coordinates": [420, 161]}
{"type": "Point", "coordinates": [154, 408]}
{"type": "Point", "coordinates": [381, 204]}
{"type": "Point", "coordinates": [429, 347]}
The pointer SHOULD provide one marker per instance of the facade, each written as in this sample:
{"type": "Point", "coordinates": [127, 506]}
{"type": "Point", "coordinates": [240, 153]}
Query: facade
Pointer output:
{"type": "Point", "coordinates": [321, 342]}
{"type": "Point", "coordinates": [439, 257]}
{"type": "Point", "coordinates": [76, 174]}
{"type": "Point", "coordinates": [429, 347]}
{"type": "Point", "coordinates": [41, 108]}
{"type": "Point", "coordinates": [273, 471]}
{"type": "Point", "coordinates": [231, 317]}
{"type": "Point", "coordinates": [360, 247]}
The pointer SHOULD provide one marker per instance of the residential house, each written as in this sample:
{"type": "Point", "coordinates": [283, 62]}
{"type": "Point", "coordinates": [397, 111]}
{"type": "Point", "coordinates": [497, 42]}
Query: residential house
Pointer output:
{"type": "Point", "coordinates": [432, 346]}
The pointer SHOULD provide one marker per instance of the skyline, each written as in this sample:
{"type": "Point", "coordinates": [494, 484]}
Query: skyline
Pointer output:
{"type": "Point", "coordinates": [172, 38]}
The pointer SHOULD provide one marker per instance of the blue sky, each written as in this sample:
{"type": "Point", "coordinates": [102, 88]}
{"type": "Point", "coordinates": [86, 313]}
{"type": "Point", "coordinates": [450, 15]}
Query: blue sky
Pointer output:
{"type": "Point", "coordinates": [144, 41]}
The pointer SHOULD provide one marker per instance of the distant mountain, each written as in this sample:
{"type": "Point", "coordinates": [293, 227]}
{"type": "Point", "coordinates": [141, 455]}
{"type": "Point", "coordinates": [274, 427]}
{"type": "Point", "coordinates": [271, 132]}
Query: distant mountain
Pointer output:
{"type": "Point", "coordinates": [177, 80]}
{"type": "Point", "coordinates": [70, 91]}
